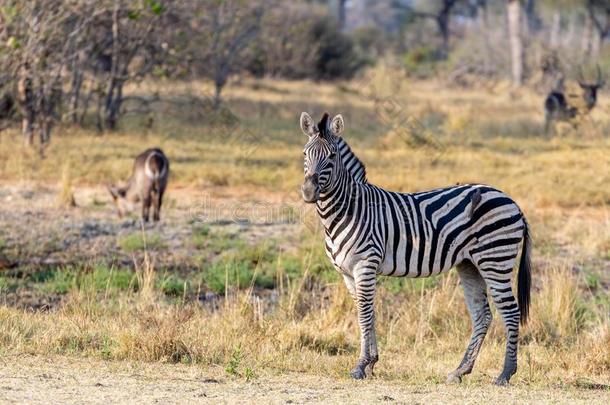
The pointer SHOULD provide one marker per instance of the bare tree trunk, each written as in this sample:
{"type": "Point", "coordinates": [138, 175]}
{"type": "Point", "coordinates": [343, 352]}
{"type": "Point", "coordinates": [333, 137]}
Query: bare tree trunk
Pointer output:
{"type": "Point", "coordinates": [483, 27]}
{"type": "Point", "coordinates": [596, 42]}
{"type": "Point", "coordinates": [482, 18]}
{"type": "Point", "coordinates": [85, 105]}
{"type": "Point", "coordinates": [25, 98]}
{"type": "Point", "coordinates": [45, 127]}
{"type": "Point", "coordinates": [587, 34]}
{"type": "Point", "coordinates": [516, 44]}
{"type": "Point", "coordinates": [341, 13]}
{"type": "Point", "coordinates": [99, 121]}
{"type": "Point", "coordinates": [555, 28]}
{"type": "Point", "coordinates": [75, 92]}
{"type": "Point", "coordinates": [443, 26]}
{"type": "Point", "coordinates": [110, 108]}
{"type": "Point", "coordinates": [113, 105]}
{"type": "Point", "coordinates": [568, 38]}
{"type": "Point", "coordinates": [533, 21]}
{"type": "Point", "coordinates": [218, 85]}
{"type": "Point", "coordinates": [599, 19]}
{"type": "Point", "coordinates": [27, 128]}
{"type": "Point", "coordinates": [442, 21]}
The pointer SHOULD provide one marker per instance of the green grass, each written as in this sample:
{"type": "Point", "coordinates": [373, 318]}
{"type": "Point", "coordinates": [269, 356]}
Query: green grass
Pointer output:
{"type": "Point", "coordinates": [58, 281]}
{"type": "Point", "coordinates": [6, 284]}
{"type": "Point", "coordinates": [230, 274]}
{"type": "Point", "coordinates": [215, 241]}
{"type": "Point", "coordinates": [96, 279]}
{"type": "Point", "coordinates": [396, 284]}
{"type": "Point", "coordinates": [173, 285]}
{"type": "Point", "coordinates": [137, 241]}
{"type": "Point", "coordinates": [108, 279]}
{"type": "Point", "coordinates": [226, 262]}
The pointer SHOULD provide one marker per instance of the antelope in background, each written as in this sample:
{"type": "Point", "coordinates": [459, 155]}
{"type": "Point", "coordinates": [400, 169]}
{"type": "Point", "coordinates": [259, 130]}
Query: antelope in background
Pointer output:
{"type": "Point", "coordinates": [146, 185]}
{"type": "Point", "coordinates": [571, 106]}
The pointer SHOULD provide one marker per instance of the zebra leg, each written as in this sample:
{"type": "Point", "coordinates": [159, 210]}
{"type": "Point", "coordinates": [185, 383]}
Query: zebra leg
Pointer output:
{"type": "Point", "coordinates": [365, 277]}
{"type": "Point", "coordinates": [502, 295]}
{"type": "Point", "coordinates": [478, 306]}
{"type": "Point", "coordinates": [374, 356]}
{"type": "Point", "coordinates": [373, 353]}
{"type": "Point", "coordinates": [350, 284]}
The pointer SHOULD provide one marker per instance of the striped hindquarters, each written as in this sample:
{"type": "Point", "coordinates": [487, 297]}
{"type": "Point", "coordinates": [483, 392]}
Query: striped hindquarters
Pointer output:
{"type": "Point", "coordinates": [432, 231]}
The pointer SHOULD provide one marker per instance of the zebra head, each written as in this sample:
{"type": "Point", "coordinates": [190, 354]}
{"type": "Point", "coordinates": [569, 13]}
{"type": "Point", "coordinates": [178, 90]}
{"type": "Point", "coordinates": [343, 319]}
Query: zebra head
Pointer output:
{"type": "Point", "coordinates": [320, 154]}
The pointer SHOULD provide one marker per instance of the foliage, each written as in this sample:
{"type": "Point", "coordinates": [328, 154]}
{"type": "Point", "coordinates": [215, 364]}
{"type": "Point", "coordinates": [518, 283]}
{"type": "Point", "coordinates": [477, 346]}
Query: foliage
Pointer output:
{"type": "Point", "coordinates": [138, 241]}
{"type": "Point", "coordinates": [421, 62]}
{"type": "Point", "coordinates": [298, 41]}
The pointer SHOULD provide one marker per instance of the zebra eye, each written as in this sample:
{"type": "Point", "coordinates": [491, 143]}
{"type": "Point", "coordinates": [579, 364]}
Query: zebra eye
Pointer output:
{"type": "Point", "coordinates": [332, 155]}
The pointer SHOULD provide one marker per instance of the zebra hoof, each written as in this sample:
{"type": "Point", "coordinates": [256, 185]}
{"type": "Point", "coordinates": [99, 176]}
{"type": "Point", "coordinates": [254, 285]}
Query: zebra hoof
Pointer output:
{"type": "Point", "coordinates": [358, 373]}
{"type": "Point", "coordinates": [454, 378]}
{"type": "Point", "coordinates": [501, 381]}
{"type": "Point", "coordinates": [368, 370]}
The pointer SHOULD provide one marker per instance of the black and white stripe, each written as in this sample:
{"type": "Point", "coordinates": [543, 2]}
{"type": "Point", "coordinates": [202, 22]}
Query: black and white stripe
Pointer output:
{"type": "Point", "coordinates": [370, 231]}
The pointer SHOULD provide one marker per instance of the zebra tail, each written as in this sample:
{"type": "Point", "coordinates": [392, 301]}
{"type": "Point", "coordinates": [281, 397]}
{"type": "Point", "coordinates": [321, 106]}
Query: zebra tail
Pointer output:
{"type": "Point", "coordinates": [524, 281]}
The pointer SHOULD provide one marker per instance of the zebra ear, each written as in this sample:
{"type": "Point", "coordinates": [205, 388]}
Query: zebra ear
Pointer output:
{"type": "Point", "coordinates": [307, 124]}
{"type": "Point", "coordinates": [337, 125]}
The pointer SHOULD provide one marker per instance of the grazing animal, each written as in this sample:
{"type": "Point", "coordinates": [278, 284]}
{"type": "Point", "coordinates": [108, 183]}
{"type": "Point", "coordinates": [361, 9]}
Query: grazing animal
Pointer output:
{"type": "Point", "coordinates": [571, 107]}
{"type": "Point", "coordinates": [146, 184]}
{"type": "Point", "coordinates": [370, 231]}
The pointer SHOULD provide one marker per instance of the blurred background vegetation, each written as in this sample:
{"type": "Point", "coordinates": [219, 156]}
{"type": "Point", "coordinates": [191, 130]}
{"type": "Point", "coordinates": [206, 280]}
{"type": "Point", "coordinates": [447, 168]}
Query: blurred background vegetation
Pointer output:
{"type": "Point", "coordinates": [69, 61]}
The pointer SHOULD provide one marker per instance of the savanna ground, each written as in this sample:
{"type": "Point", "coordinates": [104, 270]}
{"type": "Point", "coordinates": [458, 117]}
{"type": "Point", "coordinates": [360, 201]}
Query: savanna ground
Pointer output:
{"type": "Point", "coordinates": [231, 298]}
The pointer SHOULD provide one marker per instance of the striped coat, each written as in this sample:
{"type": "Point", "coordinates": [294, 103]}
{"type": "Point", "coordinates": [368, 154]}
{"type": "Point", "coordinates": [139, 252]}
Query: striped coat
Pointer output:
{"type": "Point", "coordinates": [370, 231]}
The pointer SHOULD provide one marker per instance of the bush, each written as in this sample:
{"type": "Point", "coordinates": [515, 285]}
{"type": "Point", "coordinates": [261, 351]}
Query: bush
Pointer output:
{"type": "Point", "coordinates": [421, 61]}
{"type": "Point", "coordinates": [335, 58]}
{"type": "Point", "coordinates": [300, 42]}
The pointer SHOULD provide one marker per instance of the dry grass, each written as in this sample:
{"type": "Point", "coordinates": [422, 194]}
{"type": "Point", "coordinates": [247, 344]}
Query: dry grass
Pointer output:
{"type": "Point", "coordinates": [65, 198]}
{"type": "Point", "coordinates": [423, 326]}
{"type": "Point", "coordinates": [567, 340]}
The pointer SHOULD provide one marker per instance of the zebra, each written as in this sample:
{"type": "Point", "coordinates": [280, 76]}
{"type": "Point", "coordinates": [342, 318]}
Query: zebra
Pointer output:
{"type": "Point", "coordinates": [370, 231]}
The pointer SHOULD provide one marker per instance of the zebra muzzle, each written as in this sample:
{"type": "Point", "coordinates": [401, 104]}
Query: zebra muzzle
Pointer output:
{"type": "Point", "coordinates": [310, 189]}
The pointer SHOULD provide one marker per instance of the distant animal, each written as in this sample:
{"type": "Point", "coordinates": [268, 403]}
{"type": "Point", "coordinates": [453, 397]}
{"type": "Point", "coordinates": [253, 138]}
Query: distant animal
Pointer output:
{"type": "Point", "coordinates": [7, 106]}
{"type": "Point", "coordinates": [146, 185]}
{"type": "Point", "coordinates": [370, 231]}
{"type": "Point", "coordinates": [572, 106]}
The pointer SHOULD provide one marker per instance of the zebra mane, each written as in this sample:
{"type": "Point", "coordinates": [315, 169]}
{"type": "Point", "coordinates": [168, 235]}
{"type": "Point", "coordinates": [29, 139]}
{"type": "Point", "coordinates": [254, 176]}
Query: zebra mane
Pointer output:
{"type": "Point", "coordinates": [351, 162]}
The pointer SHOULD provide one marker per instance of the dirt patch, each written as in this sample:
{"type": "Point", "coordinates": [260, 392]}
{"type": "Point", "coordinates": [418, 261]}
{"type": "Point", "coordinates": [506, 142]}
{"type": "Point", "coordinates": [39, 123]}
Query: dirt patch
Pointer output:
{"type": "Point", "coordinates": [39, 380]}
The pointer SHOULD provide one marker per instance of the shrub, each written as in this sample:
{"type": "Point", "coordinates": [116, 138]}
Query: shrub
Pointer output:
{"type": "Point", "coordinates": [336, 57]}
{"type": "Point", "coordinates": [421, 61]}
{"type": "Point", "coordinates": [299, 41]}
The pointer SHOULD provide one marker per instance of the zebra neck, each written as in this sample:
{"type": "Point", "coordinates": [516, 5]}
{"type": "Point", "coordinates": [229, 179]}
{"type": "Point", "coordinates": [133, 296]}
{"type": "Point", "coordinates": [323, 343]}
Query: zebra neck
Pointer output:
{"type": "Point", "coordinates": [354, 167]}
{"type": "Point", "coordinates": [340, 200]}
{"type": "Point", "coordinates": [348, 186]}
